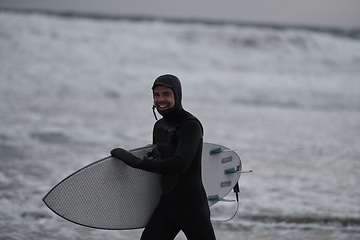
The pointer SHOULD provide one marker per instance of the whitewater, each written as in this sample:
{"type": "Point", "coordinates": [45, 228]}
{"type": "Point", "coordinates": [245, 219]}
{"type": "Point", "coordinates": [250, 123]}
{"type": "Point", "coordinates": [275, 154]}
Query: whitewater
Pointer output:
{"type": "Point", "coordinates": [73, 88]}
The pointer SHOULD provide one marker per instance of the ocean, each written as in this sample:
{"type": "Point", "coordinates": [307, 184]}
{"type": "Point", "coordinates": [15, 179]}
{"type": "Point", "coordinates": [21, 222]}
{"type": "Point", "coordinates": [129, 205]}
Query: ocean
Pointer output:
{"type": "Point", "coordinates": [288, 99]}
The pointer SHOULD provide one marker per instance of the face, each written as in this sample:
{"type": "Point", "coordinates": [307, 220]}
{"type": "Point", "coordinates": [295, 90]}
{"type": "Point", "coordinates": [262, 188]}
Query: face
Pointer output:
{"type": "Point", "coordinates": [164, 98]}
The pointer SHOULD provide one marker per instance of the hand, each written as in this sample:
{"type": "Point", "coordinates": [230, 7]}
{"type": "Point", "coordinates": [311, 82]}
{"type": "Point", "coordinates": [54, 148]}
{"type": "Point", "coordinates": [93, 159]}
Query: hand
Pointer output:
{"type": "Point", "coordinates": [126, 157]}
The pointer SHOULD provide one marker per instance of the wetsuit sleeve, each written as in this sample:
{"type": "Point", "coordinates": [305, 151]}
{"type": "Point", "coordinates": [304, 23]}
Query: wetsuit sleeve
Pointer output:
{"type": "Point", "coordinates": [126, 157]}
{"type": "Point", "coordinates": [189, 137]}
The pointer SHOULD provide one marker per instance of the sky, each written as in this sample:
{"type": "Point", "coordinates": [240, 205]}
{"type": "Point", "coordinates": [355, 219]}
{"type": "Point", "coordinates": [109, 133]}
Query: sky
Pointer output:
{"type": "Point", "coordinates": [342, 14]}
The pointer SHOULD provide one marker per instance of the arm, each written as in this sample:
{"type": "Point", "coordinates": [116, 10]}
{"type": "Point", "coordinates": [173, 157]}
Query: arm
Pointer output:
{"type": "Point", "coordinates": [190, 134]}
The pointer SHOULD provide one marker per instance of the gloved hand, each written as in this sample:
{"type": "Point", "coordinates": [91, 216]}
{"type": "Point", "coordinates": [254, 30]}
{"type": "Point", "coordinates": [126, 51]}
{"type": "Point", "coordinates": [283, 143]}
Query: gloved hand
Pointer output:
{"type": "Point", "coordinates": [126, 157]}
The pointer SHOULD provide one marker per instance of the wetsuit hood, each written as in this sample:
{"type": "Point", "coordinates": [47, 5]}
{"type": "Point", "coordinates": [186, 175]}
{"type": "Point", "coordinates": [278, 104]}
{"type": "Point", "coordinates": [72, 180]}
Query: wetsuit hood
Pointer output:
{"type": "Point", "coordinates": [174, 84]}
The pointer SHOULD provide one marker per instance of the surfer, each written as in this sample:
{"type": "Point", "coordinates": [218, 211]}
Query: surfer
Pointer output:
{"type": "Point", "coordinates": [179, 139]}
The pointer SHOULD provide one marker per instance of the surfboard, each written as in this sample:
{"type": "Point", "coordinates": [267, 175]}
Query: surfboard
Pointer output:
{"type": "Point", "coordinates": [108, 194]}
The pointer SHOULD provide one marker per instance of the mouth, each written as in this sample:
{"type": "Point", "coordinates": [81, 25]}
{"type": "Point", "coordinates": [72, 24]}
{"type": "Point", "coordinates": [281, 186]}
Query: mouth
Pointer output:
{"type": "Point", "coordinates": [162, 106]}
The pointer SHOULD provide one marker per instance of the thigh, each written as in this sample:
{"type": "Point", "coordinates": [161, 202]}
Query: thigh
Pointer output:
{"type": "Point", "coordinates": [198, 227]}
{"type": "Point", "coordinates": [160, 228]}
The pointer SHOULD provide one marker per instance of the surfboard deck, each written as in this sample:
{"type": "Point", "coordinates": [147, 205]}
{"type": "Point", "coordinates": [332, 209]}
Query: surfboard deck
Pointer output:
{"type": "Point", "coordinates": [108, 194]}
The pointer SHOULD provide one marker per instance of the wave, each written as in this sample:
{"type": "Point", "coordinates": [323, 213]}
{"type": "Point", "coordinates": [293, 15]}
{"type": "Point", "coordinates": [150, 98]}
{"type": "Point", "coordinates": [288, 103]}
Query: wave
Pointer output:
{"type": "Point", "coordinates": [74, 88]}
{"type": "Point", "coordinates": [342, 222]}
{"type": "Point", "coordinates": [350, 33]}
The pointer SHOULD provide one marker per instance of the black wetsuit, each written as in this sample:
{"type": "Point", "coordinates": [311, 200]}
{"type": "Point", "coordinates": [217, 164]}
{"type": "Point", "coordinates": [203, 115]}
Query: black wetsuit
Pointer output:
{"type": "Point", "coordinates": [183, 205]}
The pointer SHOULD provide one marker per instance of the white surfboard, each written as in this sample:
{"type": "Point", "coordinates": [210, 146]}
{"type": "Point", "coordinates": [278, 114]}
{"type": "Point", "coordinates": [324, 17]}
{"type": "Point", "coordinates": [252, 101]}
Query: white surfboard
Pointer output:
{"type": "Point", "coordinates": [108, 194]}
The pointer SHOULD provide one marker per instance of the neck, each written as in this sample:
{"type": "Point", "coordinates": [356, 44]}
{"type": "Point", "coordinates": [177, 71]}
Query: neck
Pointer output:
{"type": "Point", "coordinates": [171, 113]}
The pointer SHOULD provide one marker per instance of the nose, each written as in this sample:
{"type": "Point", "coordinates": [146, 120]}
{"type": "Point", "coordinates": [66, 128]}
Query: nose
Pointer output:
{"type": "Point", "coordinates": [161, 98]}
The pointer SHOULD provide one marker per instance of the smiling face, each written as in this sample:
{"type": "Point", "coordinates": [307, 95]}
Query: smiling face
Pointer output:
{"type": "Point", "coordinates": [164, 98]}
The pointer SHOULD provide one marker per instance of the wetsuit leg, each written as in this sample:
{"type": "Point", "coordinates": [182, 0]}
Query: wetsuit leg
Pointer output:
{"type": "Point", "coordinates": [198, 227]}
{"type": "Point", "coordinates": [160, 228]}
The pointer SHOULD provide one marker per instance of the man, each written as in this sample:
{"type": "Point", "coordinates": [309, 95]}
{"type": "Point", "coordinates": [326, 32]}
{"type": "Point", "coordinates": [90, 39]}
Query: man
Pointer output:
{"type": "Point", "coordinates": [179, 139]}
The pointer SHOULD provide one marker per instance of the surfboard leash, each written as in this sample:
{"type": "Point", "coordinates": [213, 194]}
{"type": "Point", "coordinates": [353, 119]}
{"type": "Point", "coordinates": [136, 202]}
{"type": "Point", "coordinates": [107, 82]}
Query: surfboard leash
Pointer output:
{"type": "Point", "coordinates": [236, 191]}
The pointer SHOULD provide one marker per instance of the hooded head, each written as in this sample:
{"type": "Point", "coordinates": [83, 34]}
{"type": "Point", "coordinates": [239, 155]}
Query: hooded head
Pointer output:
{"type": "Point", "coordinates": [174, 84]}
